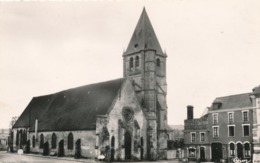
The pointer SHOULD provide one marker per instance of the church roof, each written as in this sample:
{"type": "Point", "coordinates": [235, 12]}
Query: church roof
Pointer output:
{"type": "Point", "coordinates": [72, 109]}
{"type": "Point", "coordinates": [144, 37]}
{"type": "Point", "coordinates": [234, 101]}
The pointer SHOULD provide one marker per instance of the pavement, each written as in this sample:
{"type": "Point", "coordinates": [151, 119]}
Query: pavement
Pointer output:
{"type": "Point", "coordinates": [6, 157]}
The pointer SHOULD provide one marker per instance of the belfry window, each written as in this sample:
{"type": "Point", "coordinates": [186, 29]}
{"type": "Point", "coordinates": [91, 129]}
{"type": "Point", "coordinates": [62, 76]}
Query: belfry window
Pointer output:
{"type": "Point", "coordinates": [158, 62]}
{"type": "Point", "coordinates": [131, 64]}
{"type": "Point", "coordinates": [137, 61]}
{"type": "Point", "coordinates": [70, 141]}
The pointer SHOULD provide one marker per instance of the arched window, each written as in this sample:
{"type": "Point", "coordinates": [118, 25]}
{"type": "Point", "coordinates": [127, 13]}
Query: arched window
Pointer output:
{"type": "Point", "coordinates": [53, 141]}
{"type": "Point", "coordinates": [247, 150]}
{"type": "Point", "coordinates": [137, 61]}
{"type": "Point", "coordinates": [232, 149]}
{"type": "Point", "coordinates": [17, 138]}
{"type": "Point", "coordinates": [33, 141]}
{"type": "Point", "coordinates": [24, 137]}
{"type": "Point", "coordinates": [158, 62]}
{"type": "Point", "coordinates": [70, 141]}
{"type": "Point", "coordinates": [131, 64]}
{"type": "Point", "coordinates": [113, 142]}
{"type": "Point", "coordinates": [41, 141]}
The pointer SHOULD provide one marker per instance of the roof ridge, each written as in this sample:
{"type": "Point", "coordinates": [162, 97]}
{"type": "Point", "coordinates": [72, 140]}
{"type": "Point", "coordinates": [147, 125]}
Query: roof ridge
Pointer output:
{"type": "Point", "coordinates": [234, 95]}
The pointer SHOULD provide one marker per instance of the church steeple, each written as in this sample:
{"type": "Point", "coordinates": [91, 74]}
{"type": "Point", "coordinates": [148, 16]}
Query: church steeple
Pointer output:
{"type": "Point", "coordinates": [144, 37]}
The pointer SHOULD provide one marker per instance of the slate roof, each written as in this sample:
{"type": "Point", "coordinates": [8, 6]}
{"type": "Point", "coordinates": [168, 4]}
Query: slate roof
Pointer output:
{"type": "Point", "coordinates": [234, 101]}
{"type": "Point", "coordinates": [72, 109]}
{"type": "Point", "coordinates": [144, 37]}
{"type": "Point", "coordinates": [256, 90]}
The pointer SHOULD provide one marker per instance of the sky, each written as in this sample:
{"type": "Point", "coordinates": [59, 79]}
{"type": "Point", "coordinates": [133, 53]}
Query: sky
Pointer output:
{"type": "Point", "coordinates": [213, 48]}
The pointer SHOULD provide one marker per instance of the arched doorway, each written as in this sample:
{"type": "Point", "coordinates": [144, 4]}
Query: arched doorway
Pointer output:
{"type": "Point", "coordinates": [61, 148]}
{"type": "Point", "coordinates": [128, 146]}
{"type": "Point", "coordinates": [202, 153]}
{"type": "Point", "coordinates": [46, 149]}
{"type": "Point", "coordinates": [28, 145]}
{"type": "Point", "coordinates": [112, 148]}
{"type": "Point", "coordinates": [216, 151]}
{"type": "Point", "coordinates": [240, 151]}
{"type": "Point", "coordinates": [142, 148]}
{"type": "Point", "coordinates": [78, 149]}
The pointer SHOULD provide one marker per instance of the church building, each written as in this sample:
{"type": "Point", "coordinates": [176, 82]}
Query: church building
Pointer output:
{"type": "Point", "coordinates": [123, 119]}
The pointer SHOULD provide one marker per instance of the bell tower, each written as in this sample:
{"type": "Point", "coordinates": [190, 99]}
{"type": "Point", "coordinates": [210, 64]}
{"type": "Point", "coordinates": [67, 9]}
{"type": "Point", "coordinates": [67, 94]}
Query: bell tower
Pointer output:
{"type": "Point", "coordinates": [145, 65]}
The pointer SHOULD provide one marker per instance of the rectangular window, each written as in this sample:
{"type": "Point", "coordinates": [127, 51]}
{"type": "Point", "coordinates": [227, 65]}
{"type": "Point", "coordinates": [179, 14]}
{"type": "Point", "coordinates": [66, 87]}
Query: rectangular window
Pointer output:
{"type": "Point", "coordinates": [246, 130]}
{"type": "Point", "coordinates": [202, 136]}
{"type": "Point", "coordinates": [215, 118]}
{"type": "Point", "coordinates": [245, 116]}
{"type": "Point", "coordinates": [193, 137]}
{"type": "Point", "coordinates": [230, 117]}
{"type": "Point", "coordinates": [231, 131]}
{"type": "Point", "coordinates": [215, 132]}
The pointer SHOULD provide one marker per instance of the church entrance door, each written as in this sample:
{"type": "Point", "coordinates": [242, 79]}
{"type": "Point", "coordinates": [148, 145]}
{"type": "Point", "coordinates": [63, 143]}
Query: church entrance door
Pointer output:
{"type": "Point", "coordinates": [128, 146]}
{"type": "Point", "coordinates": [61, 149]}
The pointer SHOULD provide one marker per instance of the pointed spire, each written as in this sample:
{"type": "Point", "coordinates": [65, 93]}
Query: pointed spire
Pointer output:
{"type": "Point", "coordinates": [144, 37]}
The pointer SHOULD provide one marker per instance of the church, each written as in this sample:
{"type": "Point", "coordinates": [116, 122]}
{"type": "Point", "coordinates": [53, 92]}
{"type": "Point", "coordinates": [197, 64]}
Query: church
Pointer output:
{"type": "Point", "coordinates": [122, 119]}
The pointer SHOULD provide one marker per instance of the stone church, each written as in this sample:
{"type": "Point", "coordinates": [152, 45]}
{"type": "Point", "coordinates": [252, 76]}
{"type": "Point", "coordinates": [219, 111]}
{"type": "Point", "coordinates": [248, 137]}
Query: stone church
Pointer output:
{"type": "Point", "coordinates": [122, 119]}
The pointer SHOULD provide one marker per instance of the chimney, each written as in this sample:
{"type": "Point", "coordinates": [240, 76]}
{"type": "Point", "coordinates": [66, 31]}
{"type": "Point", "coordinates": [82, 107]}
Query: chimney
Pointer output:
{"type": "Point", "coordinates": [189, 112]}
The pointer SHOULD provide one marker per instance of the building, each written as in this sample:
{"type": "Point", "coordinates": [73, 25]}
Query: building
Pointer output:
{"type": "Point", "coordinates": [4, 138]}
{"type": "Point", "coordinates": [123, 119]}
{"type": "Point", "coordinates": [196, 137]}
{"type": "Point", "coordinates": [228, 128]}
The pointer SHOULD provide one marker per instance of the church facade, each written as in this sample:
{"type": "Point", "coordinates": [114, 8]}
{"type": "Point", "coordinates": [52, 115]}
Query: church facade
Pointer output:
{"type": "Point", "coordinates": [123, 119]}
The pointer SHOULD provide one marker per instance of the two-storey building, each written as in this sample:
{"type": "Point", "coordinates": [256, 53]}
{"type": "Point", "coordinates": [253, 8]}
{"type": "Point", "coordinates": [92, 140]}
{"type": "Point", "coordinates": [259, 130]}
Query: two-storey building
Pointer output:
{"type": "Point", "coordinates": [196, 137]}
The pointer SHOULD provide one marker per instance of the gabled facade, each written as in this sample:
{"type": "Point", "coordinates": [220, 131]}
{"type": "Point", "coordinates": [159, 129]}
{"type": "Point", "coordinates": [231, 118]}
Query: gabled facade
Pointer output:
{"type": "Point", "coordinates": [122, 119]}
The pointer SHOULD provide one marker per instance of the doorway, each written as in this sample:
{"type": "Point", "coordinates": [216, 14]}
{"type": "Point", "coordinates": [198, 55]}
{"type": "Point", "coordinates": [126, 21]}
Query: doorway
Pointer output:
{"type": "Point", "coordinates": [128, 146]}
{"type": "Point", "coordinates": [240, 151]}
{"type": "Point", "coordinates": [216, 151]}
{"type": "Point", "coordinates": [202, 153]}
{"type": "Point", "coordinates": [61, 148]}
{"type": "Point", "coordinates": [78, 149]}
{"type": "Point", "coordinates": [46, 149]}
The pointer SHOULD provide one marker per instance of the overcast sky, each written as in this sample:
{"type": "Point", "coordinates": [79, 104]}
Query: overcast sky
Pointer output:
{"type": "Point", "coordinates": [213, 48]}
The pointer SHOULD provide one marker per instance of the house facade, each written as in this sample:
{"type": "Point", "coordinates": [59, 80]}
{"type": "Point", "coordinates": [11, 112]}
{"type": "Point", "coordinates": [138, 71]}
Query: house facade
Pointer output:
{"type": "Point", "coordinates": [229, 126]}
{"type": "Point", "coordinates": [122, 119]}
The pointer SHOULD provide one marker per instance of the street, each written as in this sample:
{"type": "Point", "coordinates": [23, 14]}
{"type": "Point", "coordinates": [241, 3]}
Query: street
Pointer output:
{"type": "Point", "coordinates": [14, 157]}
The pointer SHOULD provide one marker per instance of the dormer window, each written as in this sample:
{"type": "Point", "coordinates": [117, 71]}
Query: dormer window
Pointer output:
{"type": "Point", "coordinates": [216, 104]}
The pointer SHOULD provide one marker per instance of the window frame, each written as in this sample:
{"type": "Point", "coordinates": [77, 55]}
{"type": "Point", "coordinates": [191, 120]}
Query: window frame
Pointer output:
{"type": "Point", "coordinates": [243, 116]}
{"type": "Point", "coordinates": [230, 153]}
{"type": "Point", "coordinates": [201, 137]}
{"type": "Point", "coordinates": [229, 119]}
{"type": "Point", "coordinates": [243, 125]}
{"type": "Point", "coordinates": [215, 118]}
{"type": "Point", "coordinates": [70, 144]}
{"type": "Point", "coordinates": [131, 62]}
{"type": "Point", "coordinates": [191, 138]}
{"type": "Point", "coordinates": [229, 130]}
{"type": "Point", "coordinates": [213, 133]}
{"type": "Point", "coordinates": [248, 151]}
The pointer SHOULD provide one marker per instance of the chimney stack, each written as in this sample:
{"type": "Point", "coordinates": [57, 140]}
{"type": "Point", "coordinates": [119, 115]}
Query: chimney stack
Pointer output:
{"type": "Point", "coordinates": [189, 112]}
